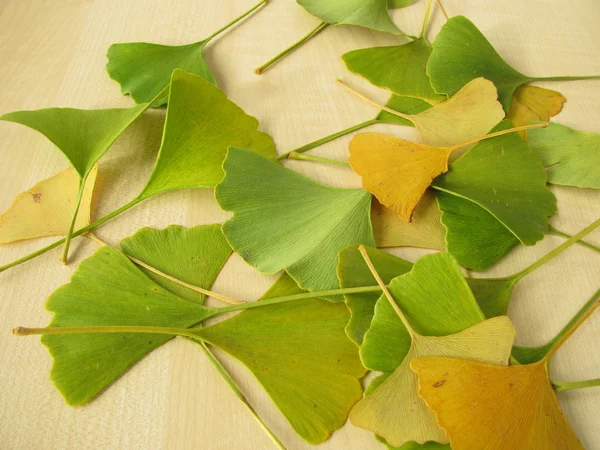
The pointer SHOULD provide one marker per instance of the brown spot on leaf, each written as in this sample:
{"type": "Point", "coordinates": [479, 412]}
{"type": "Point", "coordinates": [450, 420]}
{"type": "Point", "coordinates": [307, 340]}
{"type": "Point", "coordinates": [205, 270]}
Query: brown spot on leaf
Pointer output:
{"type": "Point", "coordinates": [439, 383]}
{"type": "Point", "coordinates": [37, 197]}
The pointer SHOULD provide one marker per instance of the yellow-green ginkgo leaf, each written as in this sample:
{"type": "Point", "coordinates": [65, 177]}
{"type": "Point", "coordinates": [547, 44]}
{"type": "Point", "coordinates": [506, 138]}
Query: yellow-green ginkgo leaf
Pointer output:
{"type": "Point", "coordinates": [472, 112]}
{"type": "Point", "coordinates": [424, 231]}
{"type": "Point", "coordinates": [393, 410]}
{"type": "Point", "coordinates": [46, 209]}
{"type": "Point", "coordinates": [300, 354]}
{"type": "Point", "coordinates": [504, 407]}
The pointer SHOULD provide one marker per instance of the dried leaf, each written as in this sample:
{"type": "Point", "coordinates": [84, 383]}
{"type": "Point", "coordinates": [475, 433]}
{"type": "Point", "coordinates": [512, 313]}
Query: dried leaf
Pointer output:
{"type": "Point", "coordinates": [47, 208]}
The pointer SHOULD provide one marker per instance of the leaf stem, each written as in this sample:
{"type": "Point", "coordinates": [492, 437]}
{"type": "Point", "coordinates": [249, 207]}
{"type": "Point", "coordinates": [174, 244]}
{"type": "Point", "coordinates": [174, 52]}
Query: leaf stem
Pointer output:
{"type": "Point", "coordinates": [301, 157]}
{"type": "Point", "coordinates": [374, 103]}
{"type": "Point", "coordinates": [499, 133]}
{"type": "Point", "coordinates": [290, 49]}
{"type": "Point", "coordinates": [193, 287]}
{"type": "Point", "coordinates": [426, 19]}
{"type": "Point", "coordinates": [443, 9]}
{"type": "Point", "coordinates": [567, 78]}
{"type": "Point", "coordinates": [236, 20]}
{"type": "Point", "coordinates": [557, 251]}
{"type": "Point", "coordinates": [238, 393]}
{"type": "Point", "coordinates": [386, 292]}
{"type": "Point", "coordinates": [79, 232]}
{"type": "Point", "coordinates": [554, 231]}
{"type": "Point", "coordinates": [561, 386]}
{"type": "Point", "coordinates": [329, 138]}
{"type": "Point", "coordinates": [65, 254]}
{"type": "Point", "coordinates": [571, 327]}
{"type": "Point", "coordinates": [138, 329]}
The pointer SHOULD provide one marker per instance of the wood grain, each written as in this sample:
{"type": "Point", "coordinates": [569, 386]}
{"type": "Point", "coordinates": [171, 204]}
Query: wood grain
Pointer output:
{"type": "Point", "coordinates": [53, 54]}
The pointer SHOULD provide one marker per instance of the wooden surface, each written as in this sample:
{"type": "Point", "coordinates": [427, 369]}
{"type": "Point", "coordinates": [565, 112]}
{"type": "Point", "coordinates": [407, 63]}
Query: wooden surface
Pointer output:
{"type": "Point", "coordinates": [53, 54]}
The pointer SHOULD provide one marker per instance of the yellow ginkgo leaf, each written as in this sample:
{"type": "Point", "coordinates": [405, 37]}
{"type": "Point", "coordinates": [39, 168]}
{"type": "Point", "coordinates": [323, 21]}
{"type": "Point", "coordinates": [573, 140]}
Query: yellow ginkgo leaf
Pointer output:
{"type": "Point", "coordinates": [394, 410]}
{"type": "Point", "coordinates": [511, 407]}
{"type": "Point", "coordinates": [47, 208]}
{"type": "Point", "coordinates": [533, 103]}
{"type": "Point", "coordinates": [398, 172]}
{"type": "Point", "coordinates": [545, 103]}
{"type": "Point", "coordinates": [472, 112]}
{"type": "Point", "coordinates": [425, 230]}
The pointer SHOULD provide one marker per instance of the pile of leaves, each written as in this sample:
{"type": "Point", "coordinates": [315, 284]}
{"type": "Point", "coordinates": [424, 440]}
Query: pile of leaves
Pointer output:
{"type": "Point", "coordinates": [441, 344]}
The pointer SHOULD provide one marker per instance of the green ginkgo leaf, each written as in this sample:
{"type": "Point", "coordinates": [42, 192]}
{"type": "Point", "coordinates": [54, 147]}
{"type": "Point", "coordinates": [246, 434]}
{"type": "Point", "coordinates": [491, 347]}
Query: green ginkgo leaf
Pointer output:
{"type": "Point", "coordinates": [449, 308]}
{"type": "Point", "coordinates": [371, 14]}
{"type": "Point", "coordinates": [300, 354]}
{"type": "Point", "coordinates": [461, 53]}
{"type": "Point", "coordinates": [353, 272]}
{"type": "Point", "coordinates": [83, 136]}
{"type": "Point", "coordinates": [193, 255]}
{"type": "Point", "coordinates": [201, 124]}
{"type": "Point", "coordinates": [506, 178]}
{"type": "Point", "coordinates": [399, 68]}
{"type": "Point", "coordinates": [474, 236]}
{"type": "Point", "coordinates": [107, 289]}
{"type": "Point", "coordinates": [571, 158]}
{"type": "Point", "coordinates": [285, 221]}
{"type": "Point", "coordinates": [393, 4]}
{"type": "Point", "coordinates": [143, 69]}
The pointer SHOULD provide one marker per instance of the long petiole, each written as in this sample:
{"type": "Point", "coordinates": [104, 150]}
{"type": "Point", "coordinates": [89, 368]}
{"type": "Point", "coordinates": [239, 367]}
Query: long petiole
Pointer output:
{"type": "Point", "coordinates": [79, 232]}
{"type": "Point", "coordinates": [65, 254]}
{"type": "Point", "coordinates": [234, 21]}
{"type": "Point", "coordinates": [567, 78]}
{"type": "Point", "coordinates": [374, 103]}
{"type": "Point", "coordinates": [554, 231]}
{"type": "Point", "coordinates": [443, 9]}
{"type": "Point", "coordinates": [291, 48]}
{"type": "Point", "coordinates": [301, 157]}
{"type": "Point", "coordinates": [561, 386]}
{"type": "Point", "coordinates": [426, 19]}
{"type": "Point", "coordinates": [238, 393]}
{"type": "Point", "coordinates": [329, 138]}
{"type": "Point", "coordinates": [558, 250]}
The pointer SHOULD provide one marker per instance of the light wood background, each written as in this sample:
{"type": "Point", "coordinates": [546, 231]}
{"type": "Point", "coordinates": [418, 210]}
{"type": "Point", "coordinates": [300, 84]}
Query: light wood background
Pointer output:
{"type": "Point", "coordinates": [52, 53]}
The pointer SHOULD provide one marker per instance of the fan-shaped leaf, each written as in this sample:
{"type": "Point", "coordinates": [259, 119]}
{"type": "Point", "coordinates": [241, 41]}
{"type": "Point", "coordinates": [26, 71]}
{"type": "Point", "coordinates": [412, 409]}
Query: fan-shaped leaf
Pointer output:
{"type": "Point", "coordinates": [399, 68]}
{"type": "Point", "coordinates": [108, 289]}
{"type": "Point", "coordinates": [300, 354]}
{"type": "Point", "coordinates": [143, 69]}
{"type": "Point", "coordinates": [47, 208]}
{"type": "Point", "coordinates": [201, 124]}
{"type": "Point", "coordinates": [371, 14]}
{"type": "Point", "coordinates": [505, 177]}
{"type": "Point", "coordinates": [283, 220]}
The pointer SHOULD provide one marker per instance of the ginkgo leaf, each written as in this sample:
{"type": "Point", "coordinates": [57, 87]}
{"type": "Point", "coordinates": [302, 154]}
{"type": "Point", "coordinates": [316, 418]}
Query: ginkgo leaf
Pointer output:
{"type": "Point", "coordinates": [474, 237]}
{"type": "Point", "coordinates": [505, 407]}
{"type": "Point", "coordinates": [461, 53]}
{"type": "Point", "coordinates": [470, 113]}
{"type": "Point", "coordinates": [533, 103]}
{"type": "Point", "coordinates": [352, 272]}
{"type": "Point", "coordinates": [108, 289]}
{"type": "Point", "coordinates": [506, 178]}
{"type": "Point", "coordinates": [393, 409]}
{"type": "Point", "coordinates": [201, 124]}
{"type": "Point", "coordinates": [143, 69]}
{"type": "Point", "coordinates": [399, 68]}
{"type": "Point", "coordinates": [425, 230]}
{"type": "Point", "coordinates": [396, 171]}
{"type": "Point", "coordinates": [300, 354]}
{"type": "Point", "coordinates": [193, 255]}
{"type": "Point", "coordinates": [46, 209]}
{"type": "Point", "coordinates": [371, 14]}
{"type": "Point", "coordinates": [283, 220]}
{"type": "Point", "coordinates": [571, 158]}
{"type": "Point", "coordinates": [392, 4]}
